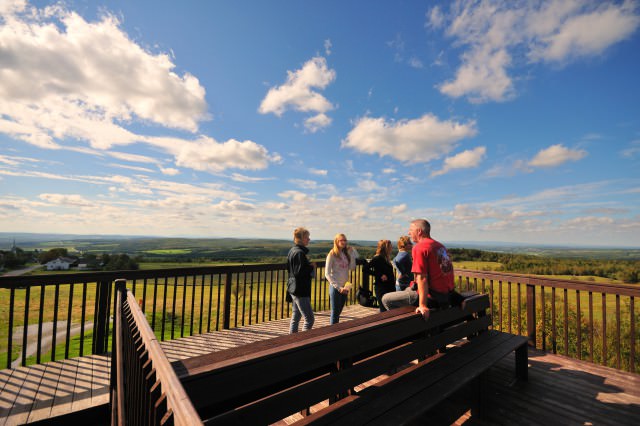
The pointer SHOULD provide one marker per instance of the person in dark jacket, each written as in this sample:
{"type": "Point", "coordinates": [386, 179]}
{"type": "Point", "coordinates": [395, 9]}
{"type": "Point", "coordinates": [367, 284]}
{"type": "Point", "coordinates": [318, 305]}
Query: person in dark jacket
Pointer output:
{"type": "Point", "coordinates": [382, 270]}
{"type": "Point", "coordinates": [301, 271]}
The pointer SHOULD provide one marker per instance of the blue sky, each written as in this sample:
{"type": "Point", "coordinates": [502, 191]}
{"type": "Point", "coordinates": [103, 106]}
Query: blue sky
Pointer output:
{"type": "Point", "coordinates": [513, 121]}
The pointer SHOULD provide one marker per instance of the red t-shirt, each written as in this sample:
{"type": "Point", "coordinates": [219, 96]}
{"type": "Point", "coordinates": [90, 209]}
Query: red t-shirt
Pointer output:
{"type": "Point", "coordinates": [430, 258]}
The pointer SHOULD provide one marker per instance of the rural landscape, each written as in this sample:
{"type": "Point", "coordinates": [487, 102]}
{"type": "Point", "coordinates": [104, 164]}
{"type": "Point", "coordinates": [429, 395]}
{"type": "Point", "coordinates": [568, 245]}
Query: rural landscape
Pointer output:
{"type": "Point", "coordinates": [176, 179]}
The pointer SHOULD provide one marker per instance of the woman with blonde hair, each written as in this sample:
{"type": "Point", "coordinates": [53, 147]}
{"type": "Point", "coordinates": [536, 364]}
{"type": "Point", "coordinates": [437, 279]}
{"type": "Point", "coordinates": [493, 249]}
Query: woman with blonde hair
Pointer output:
{"type": "Point", "coordinates": [340, 260]}
{"type": "Point", "coordinates": [382, 271]}
{"type": "Point", "coordinates": [403, 262]}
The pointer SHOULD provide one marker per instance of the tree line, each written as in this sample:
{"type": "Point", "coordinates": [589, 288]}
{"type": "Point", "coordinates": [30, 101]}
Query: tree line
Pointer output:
{"type": "Point", "coordinates": [627, 271]}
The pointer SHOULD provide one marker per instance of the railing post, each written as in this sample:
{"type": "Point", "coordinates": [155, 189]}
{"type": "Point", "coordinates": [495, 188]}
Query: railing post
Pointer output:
{"type": "Point", "coordinates": [531, 314]}
{"type": "Point", "coordinates": [116, 353]}
{"type": "Point", "coordinates": [226, 322]}
{"type": "Point", "coordinates": [101, 320]}
{"type": "Point", "coordinates": [365, 276]}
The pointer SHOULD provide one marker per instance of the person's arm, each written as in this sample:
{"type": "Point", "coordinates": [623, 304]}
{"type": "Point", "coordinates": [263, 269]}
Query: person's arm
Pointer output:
{"type": "Point", "coordinates": [353, 253]}
{"type": "Point", "coordinates": [328, 272]}
{"type": "Point", "coordinates": [423, 291]}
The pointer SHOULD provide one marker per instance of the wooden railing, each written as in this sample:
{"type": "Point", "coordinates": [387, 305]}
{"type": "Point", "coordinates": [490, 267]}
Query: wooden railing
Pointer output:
{"type": "Point", "coordinates": [68, 314]}
{"type": "Point", "coordinates": [588, 321]}
{"type": "Point", "coordinates": [144, 388]}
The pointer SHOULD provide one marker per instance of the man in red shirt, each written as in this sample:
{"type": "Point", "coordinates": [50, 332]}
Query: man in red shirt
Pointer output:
{"type": "Point", "coordinates": [432, 270]}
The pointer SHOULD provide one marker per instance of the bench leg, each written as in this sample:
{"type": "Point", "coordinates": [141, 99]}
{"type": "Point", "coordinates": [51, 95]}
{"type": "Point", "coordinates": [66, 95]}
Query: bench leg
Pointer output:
{"type": "Point", "coordinates": [522, 363]}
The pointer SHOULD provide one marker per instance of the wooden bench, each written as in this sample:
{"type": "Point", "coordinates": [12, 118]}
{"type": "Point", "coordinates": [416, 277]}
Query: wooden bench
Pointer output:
{"type": "Point", "coordinates": [266, 381]}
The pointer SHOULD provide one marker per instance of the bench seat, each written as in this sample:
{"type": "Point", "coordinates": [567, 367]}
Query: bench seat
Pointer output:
{"type": "Point", "coordinates": [266, 381]}
{"type": "Point", "coordinates": [414, 390]}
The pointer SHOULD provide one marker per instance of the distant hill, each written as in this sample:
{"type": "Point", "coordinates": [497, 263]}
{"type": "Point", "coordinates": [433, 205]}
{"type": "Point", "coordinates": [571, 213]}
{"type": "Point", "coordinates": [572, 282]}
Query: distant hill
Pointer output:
{"type": "Point", "coordinates": [244, 249]}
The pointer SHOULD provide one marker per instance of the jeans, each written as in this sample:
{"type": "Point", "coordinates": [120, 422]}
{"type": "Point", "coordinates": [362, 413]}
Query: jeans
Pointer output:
{"type": "Point", "coordinates": [337, 302]}
{"type": "Point", "coordinates": [301, 307]}
{"type": "Point", "coordinates": [398, 299]}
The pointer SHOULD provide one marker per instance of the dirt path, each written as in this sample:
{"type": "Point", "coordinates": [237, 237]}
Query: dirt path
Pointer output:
{"type": "Point", "coordinates": [47, 337]}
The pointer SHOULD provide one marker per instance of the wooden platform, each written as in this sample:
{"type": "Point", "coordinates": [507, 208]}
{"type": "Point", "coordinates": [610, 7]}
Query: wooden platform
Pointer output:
{"type": "Point", "coordinates": [560, 390]}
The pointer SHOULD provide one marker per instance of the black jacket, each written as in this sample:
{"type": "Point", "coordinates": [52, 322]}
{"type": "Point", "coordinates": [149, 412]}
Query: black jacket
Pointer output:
{"type": "Point", "coordinates": [301, 268]}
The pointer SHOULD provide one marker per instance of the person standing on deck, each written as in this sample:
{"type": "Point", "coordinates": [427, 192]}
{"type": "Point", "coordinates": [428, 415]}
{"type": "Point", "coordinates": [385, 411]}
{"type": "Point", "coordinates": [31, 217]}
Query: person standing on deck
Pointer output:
{"type": "Point", "coordinates": [301, 271]}
{"type": "Point", "coordinates": [433, 274]}
{"type": "Point", "coordinates": [340, 260]}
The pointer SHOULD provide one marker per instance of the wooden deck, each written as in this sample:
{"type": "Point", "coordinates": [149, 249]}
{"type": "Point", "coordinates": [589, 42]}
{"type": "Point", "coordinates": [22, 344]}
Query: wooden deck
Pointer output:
{"type": "Point", "coordinates": [560, 390]}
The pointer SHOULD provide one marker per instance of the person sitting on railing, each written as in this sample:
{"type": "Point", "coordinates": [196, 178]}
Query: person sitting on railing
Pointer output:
{"type": "Point", "coordinates": [340, 260]}
{"type": "Point", "coordinates": [301, 271]}
{"type": "Point", "coordinates": [402, 263]}
{"type": "Point", "coordinates": [433, 274]}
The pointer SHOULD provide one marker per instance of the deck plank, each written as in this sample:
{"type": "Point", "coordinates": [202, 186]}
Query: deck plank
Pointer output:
{"type": "Point", "coordinates": [63, 397]}
{"type": "Point", "coordinates": [41, 408]}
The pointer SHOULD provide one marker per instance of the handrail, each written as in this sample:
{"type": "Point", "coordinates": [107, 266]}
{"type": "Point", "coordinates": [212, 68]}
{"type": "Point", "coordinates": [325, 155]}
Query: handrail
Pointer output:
{"type": "Point", "coordinates": [140, 360]}
{"type": "Point", "coordinates": [568, 321]}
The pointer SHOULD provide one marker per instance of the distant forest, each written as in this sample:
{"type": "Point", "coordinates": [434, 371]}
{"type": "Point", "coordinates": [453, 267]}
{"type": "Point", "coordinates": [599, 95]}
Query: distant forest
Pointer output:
{"type": "Point", "coordinates": [620, 264]}
{"type": "Point", "coordinates": [627, 271]}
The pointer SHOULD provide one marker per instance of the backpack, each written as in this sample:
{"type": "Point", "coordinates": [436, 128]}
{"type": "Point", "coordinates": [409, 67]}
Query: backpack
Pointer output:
{"type": "Point", "coordinates": [366, 298]}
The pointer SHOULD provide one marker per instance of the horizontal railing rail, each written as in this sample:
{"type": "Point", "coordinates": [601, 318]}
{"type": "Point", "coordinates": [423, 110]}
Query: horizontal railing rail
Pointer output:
{"type": "Point", "coordinates": [588, 321]}
{"type": "Point", "coordinates": [68, 315]}
{"type": "Point", "coordinates": [145, 389]}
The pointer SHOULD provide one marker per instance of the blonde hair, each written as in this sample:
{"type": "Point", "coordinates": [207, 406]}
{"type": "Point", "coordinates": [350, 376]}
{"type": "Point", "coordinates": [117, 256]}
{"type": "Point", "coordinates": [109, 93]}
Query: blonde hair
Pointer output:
{"type": "Point", "coordinates": [299, 234]}
{"type": "Point", "coordinates": [404, 243]}
{"type": "Point", "coordinates": [384, 248]}
{"type": "Point", "coordinates": [335, 251]}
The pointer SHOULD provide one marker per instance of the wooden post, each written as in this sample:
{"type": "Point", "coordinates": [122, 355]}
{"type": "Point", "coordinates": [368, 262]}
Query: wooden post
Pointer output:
{"type": "Point", "coordinates": [531, 314]}
{"type": "Point", "coordinates": [226, 322]}
{"type": "Point", "coordinates": [101, 320]}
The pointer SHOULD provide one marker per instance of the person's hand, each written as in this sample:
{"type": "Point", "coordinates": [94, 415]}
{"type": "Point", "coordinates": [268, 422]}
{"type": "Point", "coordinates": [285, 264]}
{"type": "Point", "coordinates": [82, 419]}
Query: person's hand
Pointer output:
{"type": "Point", "coordinates": [424, 311]}
{"type": "Point", "coordinates": [384, 277]}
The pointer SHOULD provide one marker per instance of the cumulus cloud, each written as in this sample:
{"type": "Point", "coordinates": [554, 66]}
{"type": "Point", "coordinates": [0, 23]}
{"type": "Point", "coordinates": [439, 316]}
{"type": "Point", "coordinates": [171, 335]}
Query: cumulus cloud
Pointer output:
{"type": "Point", "coordinates": [494, 34]}
{"type": "Point", "coordinates": [207, 154]}
{"type": "Point", "coordinates": [413, 141]}
{"type": "Point", "coordinates": [65, 78]}
{"type": "Point", "coordinates": [556, 155]}
{"type": "Point", "coordinates": [464, 160]}
{"type": "Point", "coordinates": [299, 93]}
{"type": "Point", "coordinates": [59, 64]}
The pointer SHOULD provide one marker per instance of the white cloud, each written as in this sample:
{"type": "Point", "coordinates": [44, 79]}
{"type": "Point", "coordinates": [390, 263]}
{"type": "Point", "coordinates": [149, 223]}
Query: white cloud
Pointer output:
{"type": "Point", "coordinates": [327, 47]}
{"type": "Point", "coordinates": [464, 160]}
{"type": "Point", "coordinates": [207, 154]}
{"type": "Point", "coordinates": [317, 122]}
{"type": "Point", "coordinates": [67, 200]}
{"type": "Point", "coordinates": [588, 33]}
{"type": "Point", "coordinates": [64, 69]}
{"type": "Point", "coordinates": [556, 155]}
{"type": "Point", "coordinates": [495, 33]}
{"type": "Point", "coordinates": [413, 141]}
{"type": "Point", "coordinates": [319, 172]}
{"type": "Point", "coordinates": [633, 151]}
{"type": "Point", "coordinates": [242, 178]}
{"type": "Point", "coordinates": [298, 93]}
{"type": "Point", "coordinates": [169, 171]}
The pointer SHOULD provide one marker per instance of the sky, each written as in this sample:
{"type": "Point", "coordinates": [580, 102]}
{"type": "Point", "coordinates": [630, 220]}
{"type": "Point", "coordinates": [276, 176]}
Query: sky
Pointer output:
{"type": "Point", "coordinates": [498, 121]}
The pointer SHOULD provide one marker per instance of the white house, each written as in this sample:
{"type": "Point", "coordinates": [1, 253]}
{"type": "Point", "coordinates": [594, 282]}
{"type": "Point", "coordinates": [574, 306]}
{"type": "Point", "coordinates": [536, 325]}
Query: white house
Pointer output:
{"type": "Point", "coordinates": [59, 264]}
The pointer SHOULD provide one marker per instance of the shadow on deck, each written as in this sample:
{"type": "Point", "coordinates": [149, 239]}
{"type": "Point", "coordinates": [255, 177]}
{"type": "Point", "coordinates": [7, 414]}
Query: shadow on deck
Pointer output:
{"type": "Point", "coordinates": [560, 390]}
